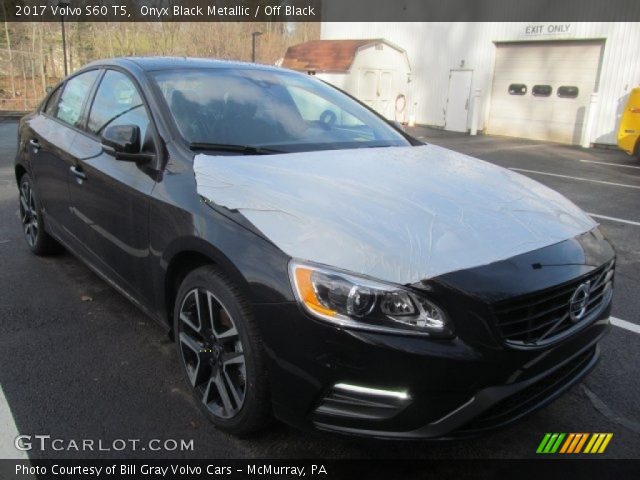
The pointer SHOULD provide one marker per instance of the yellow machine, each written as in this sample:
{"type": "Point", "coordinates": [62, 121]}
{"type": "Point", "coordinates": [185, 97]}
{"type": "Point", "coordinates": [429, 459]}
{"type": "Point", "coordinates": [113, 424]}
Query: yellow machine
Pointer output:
{"type": "Point", "coordinates": [629, 130]}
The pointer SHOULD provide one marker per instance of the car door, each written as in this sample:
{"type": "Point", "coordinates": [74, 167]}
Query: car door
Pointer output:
{"type": "Point", "coordinates": [109, 198]}
{"type": "Point", "coordinates": [50, 137]}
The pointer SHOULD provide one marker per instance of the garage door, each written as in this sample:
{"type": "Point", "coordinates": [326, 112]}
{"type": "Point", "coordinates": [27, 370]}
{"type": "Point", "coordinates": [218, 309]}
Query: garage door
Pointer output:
{"type": "Point", "coordinates": [541, 90]}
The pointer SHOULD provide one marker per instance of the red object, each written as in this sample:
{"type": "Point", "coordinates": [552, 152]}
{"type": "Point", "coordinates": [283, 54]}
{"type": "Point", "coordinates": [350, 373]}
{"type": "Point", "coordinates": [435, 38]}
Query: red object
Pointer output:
{"type": "Point", "coordinates": [324, 55]}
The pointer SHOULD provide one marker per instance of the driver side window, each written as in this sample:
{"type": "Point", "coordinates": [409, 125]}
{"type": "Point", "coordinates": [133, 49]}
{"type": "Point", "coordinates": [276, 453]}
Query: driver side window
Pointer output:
{"type": "Point", "coordinates": [117, 102]}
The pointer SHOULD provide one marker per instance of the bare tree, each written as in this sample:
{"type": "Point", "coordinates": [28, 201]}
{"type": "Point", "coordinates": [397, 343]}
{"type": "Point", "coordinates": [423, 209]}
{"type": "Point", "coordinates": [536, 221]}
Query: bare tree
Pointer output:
{"type": "Point", "coordinates": [43, 75]}
{"type": "Point", "coordinates": [6, 32]}
{"type": "Point", "coordinates": [34, 50]}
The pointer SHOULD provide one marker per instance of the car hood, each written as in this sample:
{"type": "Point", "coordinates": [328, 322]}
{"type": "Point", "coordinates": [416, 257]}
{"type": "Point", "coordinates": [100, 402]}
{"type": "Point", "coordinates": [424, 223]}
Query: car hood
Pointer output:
{"type": "Point", "coordinates": [401, 214]}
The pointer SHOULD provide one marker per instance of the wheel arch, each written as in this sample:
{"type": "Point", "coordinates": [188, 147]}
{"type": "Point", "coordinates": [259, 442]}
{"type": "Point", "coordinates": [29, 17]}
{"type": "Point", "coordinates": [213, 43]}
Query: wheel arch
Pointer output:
{"type": "Point", "coordinates": [20, 170]}
{"type": "Point", "coordinates": [193, 253]}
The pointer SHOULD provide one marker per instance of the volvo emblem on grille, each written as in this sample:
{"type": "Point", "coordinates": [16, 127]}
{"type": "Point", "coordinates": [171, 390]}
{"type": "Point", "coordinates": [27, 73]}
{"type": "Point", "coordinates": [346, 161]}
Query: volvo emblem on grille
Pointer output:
{"type": "Point", "coordinates": [579, 301]}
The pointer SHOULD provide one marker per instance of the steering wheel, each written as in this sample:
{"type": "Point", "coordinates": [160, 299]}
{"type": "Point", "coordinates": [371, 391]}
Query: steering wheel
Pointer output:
{"type": "Point", "coordinates": [328, 119]}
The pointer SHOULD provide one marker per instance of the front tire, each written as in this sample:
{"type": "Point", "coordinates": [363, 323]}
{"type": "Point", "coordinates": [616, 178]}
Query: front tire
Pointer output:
{"type": "Point", "coordinates": [38, 240]}
{"type": "Point", "coordinates": [221, 352]}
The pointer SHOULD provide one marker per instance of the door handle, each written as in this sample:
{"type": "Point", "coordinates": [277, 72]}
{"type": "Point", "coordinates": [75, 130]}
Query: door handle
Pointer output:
{"type": "Point", "coordinates": [77, 172]}
{"type": "Point", "coordinates": [34, 143]}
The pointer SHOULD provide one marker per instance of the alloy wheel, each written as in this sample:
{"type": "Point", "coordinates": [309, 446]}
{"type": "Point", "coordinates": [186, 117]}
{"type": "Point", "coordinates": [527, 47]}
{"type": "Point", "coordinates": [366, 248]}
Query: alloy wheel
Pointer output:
{"type": "Point", "coordinates": [28, 214]}
{"type": "Point", "coordinates": [212, 353]}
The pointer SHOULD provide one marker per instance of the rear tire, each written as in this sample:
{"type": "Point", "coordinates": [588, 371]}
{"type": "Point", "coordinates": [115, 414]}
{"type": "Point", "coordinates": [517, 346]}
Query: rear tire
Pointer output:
{"type": "Point", "coordinates": [33, 228]}
{"type": "Point", "coordinates": [221, 352]}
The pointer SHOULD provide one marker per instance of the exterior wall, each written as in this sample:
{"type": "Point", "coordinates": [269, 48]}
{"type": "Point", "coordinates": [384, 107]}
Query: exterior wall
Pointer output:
{"type": "Point", "coordinates": [434, 49]}
{"type": "Point", "coordinates": [340, 80]}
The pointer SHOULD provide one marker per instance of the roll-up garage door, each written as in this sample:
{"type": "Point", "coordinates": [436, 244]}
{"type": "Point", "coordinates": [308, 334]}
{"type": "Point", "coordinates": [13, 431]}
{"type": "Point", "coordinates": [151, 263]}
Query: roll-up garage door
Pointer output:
{"type": "Point", "coordinates": [541, 90]}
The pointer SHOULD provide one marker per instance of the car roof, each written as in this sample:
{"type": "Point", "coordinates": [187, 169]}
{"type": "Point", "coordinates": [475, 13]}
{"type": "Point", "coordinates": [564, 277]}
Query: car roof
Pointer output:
{"type": "Point", "coordinates": [169, 63]}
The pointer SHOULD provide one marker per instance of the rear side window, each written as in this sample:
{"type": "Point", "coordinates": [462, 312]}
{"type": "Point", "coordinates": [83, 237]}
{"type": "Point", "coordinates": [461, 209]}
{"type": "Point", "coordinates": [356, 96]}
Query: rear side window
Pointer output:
{"type": "Point", "coordinates": [52, 104]}
{"type": "Point", "coordinates": [117, 102]}
{"type": "Point", "coordinates": [73, 96]}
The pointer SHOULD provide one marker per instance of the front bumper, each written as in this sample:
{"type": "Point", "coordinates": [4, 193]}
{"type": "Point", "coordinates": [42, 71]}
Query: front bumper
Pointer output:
{"type": "Point", "coordinates": [452, 389]}
{"type": "Point", "coordinates": [404, 387]}
{"type": "Point", "coordinates": [493, 407]}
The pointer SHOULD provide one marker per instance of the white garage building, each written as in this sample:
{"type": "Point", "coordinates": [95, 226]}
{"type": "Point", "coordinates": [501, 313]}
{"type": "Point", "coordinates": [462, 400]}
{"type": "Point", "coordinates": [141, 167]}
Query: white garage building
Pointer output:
{"type": "Point", "coordinates": [529, 80]}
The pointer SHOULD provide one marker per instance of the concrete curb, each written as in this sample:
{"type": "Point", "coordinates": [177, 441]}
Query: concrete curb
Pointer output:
{"type": "Point", "coordinates": [12, 114]}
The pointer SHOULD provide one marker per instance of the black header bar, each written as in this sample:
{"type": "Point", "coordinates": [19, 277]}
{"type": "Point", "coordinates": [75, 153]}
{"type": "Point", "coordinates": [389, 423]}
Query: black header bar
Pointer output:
{"type": "Point", "coordinates": [321, 10]}
{"type": "Point", "coordinates": [534, 469]}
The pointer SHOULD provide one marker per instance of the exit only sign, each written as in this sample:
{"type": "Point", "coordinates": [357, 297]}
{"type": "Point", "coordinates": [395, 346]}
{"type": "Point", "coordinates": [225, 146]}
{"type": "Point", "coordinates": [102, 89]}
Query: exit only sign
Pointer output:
{"type": "Point", "coordinates": [549, 30]}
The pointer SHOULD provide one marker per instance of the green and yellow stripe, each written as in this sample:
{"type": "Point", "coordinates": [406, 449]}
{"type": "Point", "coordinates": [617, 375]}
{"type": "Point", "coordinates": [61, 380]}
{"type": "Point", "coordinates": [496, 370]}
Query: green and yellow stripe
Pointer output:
{"type": "Point", "coordinates": [573, 443]}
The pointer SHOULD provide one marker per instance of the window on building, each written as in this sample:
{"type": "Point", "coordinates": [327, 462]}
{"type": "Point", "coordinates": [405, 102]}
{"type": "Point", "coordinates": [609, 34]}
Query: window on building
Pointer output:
{"type": "Point", "coordinates": [541, 90]}
{"type": "Point", "coordinates": [517, 89]}
{"type": "Point", "coordinates": [568, 91]}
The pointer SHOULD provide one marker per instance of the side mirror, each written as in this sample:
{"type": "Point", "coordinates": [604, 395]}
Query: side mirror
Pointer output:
{"type": "Point", "coordinates": [124, 143]}
{"type": "Point", "coordinates": [121, 139]}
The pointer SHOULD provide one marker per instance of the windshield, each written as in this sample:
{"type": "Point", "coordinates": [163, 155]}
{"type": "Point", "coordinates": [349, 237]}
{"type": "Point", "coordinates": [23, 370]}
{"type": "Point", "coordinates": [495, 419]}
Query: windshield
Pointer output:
{"type": "Point", "coordinates": [283, 111]}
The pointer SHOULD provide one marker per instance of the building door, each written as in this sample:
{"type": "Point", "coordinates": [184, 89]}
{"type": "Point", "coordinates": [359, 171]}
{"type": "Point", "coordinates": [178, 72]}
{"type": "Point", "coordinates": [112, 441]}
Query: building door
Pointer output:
{"type": "Point", "coordinates": [541, 90]}
{"type": "Point", "coordinates": [385, 89]}
{"type": "Point", "coordinates": [457, 112]}
{"type": "Point", "coordinates": [367, 87]}
{"type": "Point", "coordinates": [375, 89]}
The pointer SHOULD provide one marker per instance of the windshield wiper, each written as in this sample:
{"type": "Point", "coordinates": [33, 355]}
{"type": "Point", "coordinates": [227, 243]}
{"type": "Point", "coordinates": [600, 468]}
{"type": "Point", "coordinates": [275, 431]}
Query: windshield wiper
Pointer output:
{"type": "Point", "coordinates": [228, 147]}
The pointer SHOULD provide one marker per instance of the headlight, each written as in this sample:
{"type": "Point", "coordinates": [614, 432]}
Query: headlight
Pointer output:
{"type": "Point", "coordinates": [360, 303]}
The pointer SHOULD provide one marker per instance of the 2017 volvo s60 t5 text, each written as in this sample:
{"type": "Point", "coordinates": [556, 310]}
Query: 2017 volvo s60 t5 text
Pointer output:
{"type": "Point", "coordinates": [310, 259]}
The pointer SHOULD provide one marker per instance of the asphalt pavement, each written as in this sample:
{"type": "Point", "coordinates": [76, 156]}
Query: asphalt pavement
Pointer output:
{"type": "Point", "coordinates": [79, 362]}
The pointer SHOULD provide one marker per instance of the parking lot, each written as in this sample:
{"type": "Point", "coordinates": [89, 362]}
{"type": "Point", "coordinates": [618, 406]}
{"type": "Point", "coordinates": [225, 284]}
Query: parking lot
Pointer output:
{"type": "Point", "coordinates": [79, 361]}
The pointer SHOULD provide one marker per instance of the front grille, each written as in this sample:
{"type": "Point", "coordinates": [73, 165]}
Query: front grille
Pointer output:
{"type": "Point", "coordinates": [542, 317]}
{"type": "Point", "coordinates": [532, 397]}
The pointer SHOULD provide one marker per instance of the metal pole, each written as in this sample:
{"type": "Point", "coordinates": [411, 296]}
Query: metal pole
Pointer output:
{"type": "Point", "coordinates": [475, 112]}
{"type": "Point", "coordinates": [253, 45]}
{"type": "Point", "coordinates": [588, 121]}
{"type": "Point", "coordinates": [64, 46]}
{"type": "Point", "coordinates": [253, 48]}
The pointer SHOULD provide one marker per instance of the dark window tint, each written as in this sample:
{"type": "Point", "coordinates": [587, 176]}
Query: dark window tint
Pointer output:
{"type": "Point", "coordinates": [517, 89]}
{"type": "Point", "coordinates": [117, 102]}
{"type": "Point", "coordinates": [73, 97]}
{"type": "Point", "coordinates": [568, 92]}
{"type": "Point", "coordinates": [541, 90]}
{"type": "Point", "coordinates": [52, 103]}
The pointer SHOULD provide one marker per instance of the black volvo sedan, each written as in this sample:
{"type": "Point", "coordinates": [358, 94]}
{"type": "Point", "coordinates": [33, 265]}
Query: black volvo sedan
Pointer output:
{"type": "Point", "coordinates": [311, 260]}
